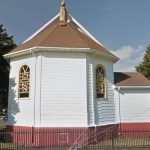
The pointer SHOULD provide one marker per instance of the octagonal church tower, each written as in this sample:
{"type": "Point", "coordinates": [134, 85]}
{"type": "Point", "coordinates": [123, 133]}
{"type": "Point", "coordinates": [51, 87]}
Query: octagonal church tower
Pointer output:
{"type": "Point", "coordinates": [61, 77]}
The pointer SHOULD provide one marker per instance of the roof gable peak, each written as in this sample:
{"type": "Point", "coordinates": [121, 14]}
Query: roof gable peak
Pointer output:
{"type": "Point", "coordinates": [70, 18]}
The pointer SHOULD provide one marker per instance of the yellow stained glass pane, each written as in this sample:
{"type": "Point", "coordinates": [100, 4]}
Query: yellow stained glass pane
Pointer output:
{"type": "Point", "coordinates": [100, 82]}
{"type": "Point", "coordinates": [24, 82]}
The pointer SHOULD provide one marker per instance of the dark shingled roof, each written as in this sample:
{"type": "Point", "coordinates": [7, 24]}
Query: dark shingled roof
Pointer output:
{"type": "Point", "coordinates": [130, 79]}
{"type": "Point", "coordinates": [69, 36]}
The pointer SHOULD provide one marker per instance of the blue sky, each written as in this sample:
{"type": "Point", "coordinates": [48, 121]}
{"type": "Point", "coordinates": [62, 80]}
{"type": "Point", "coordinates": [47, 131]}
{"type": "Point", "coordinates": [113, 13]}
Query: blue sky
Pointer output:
{"type": "Point", "coordinates": [120, 25]}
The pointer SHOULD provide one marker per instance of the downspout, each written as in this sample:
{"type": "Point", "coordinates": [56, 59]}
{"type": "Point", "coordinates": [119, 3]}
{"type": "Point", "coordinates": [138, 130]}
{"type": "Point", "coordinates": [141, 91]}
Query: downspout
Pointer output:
{"type": "Point", "coordinates": [93, 98]}
{"type": "Point", "coordinates": [35, 82]}
{"type": "Point", "coordinates": [118, 89]}
{"type": "Point", "coordinates": [93, 93]}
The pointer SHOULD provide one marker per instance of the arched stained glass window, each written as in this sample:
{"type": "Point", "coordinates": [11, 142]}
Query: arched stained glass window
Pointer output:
{"type": "Point", "coordinates": [100, 82]}
{"type": "Point", "coordinates": [24, 82]}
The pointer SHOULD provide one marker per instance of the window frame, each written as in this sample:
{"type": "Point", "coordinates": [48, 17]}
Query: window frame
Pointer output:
{"type": "Point", "coordinates": [105, 83]}
{"type": "Point", "coordinates": [24, 98]}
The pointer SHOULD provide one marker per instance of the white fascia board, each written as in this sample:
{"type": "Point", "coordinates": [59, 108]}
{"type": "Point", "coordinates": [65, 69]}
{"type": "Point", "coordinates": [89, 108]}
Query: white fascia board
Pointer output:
{"type": "Point", "coordinates": [58, 49]}
{"type": "Point", "coordinates": [132, 87]}
{"type": "Point", "coordinates": [111, 57]}
{"type": "Point", "coordinates": [43, 49]}
{"type": "Point", "coordinates": [62, 49]}
{"type": "Point", "coordinates": [14, 54]}
{"type": "Point", "coordinates": [44, 26]}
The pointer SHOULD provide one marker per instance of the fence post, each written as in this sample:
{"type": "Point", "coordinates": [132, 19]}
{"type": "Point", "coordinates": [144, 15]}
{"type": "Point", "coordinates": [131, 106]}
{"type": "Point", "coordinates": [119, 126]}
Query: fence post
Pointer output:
{"type": "Point", "coordinates": [113, 147]}
{"type": "Point", "coordinates": [14, 134]}
{"type": "Point", "coordinates": [32, 136]}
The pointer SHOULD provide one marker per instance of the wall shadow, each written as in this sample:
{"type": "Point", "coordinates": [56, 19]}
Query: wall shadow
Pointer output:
{"type": "Point", "coordinates": [13, 106]}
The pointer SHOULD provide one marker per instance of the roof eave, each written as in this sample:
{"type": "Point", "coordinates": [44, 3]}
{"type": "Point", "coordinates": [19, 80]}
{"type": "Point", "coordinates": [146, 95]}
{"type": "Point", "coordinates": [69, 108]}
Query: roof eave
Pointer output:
{"type": "Point", "coordinates": [131, 87]}
{"type": "Point", "coordinates": [63, 49]}
{"type": "Point", "coordinates": [15, 54]}
{"type": "Point", "coordinates": [39, 49]}
{"type": "Point", "coordinates": [108, 56]}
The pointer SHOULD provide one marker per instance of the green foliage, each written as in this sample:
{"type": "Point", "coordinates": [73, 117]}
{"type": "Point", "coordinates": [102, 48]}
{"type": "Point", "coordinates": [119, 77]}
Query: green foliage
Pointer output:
{"type": "Point", "coordinates": [144, 66]}
{"type": "Point", "coordinates": [6, 44]}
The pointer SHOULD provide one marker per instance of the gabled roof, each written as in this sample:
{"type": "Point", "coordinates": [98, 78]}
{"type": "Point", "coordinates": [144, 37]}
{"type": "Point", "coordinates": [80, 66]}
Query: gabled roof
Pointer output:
{"type": "Point", "coordinates": [133, 79]}
{"type": "Point", "coordinates": [72, 35]}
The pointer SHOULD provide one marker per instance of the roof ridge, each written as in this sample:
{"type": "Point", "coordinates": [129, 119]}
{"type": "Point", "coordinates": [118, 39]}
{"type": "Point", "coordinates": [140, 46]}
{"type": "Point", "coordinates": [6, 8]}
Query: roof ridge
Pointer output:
{"type": "Point", "coordinates": [86, 35]}
{"type": "Point", "coordinates": [92, 42]}
{"type": "Point", "coordinates": [41, 29]}
{"type": "Point", "coordinates": [86, 31]}
{"type": "Point", "coordinates": [78, 34]}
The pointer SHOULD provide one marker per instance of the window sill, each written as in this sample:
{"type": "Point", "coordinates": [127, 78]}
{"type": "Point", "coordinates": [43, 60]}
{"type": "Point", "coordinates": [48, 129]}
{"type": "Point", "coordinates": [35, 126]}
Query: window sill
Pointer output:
{"type": "Point", "coordinates": [101, 99]}
{"type": "Point", "coordinates": [21, 99]}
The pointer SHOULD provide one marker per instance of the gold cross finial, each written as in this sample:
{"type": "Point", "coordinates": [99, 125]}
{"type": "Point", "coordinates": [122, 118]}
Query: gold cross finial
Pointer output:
{"type": "Point", "coordinates": [63, 13]}
{"type": "Point", "coordinates": [62, 2]}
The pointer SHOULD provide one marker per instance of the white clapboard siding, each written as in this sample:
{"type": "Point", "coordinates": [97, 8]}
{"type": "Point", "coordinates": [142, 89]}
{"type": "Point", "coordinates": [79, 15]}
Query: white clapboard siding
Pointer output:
{"type": "Point", "coordinates": [100, 112]}
{"type": "Point", "coordinates": [63, 90]}
{"type": "Point", "coordinates": [134, 105]}
{"type": "Point", "coordinates": [21, 111]}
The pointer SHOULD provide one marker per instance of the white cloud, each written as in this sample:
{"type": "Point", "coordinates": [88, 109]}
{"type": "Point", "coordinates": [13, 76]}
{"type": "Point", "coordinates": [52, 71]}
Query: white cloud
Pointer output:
{"type": "Point", "coordinates": [124, 52]}
{"type": "Point", "coordinates": [129, 58]}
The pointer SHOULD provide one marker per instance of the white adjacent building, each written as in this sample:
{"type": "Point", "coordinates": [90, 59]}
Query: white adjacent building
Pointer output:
{"type": "Point", "coordinates": [132, 96]}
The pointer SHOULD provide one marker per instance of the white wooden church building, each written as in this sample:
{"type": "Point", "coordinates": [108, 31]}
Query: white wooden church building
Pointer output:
{"type": "Point", "coordinates": [61, 77]}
